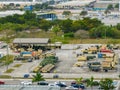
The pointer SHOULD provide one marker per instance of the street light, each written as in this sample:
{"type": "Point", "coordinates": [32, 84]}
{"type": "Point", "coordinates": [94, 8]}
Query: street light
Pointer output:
{"type": "Point", "coordinates": [7, 51]}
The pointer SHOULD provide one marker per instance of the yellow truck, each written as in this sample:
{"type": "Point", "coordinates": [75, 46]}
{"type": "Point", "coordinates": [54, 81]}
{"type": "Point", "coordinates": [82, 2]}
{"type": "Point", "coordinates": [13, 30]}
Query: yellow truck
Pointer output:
{"type": "Point", "coordinates": [79, 64]}
{"type": "Point", "coordinates": [37, 69]}
{"type": "Point", "coordinates": [82, 58]}
{"type": "Point", "coordinates": [47, 68]}
{"type": "Point", "coordinates": [108, 65]}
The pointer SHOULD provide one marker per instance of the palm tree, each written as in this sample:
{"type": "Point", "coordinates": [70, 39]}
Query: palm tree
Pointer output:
{"type": "Point", "coordinates": [38, 77]}
{"type": "Point", "coordinates": [90, 82]}
{"type": "Point", "coordinates": [106, 84]}
{"type": "Point", "coordinates": [79, 80]}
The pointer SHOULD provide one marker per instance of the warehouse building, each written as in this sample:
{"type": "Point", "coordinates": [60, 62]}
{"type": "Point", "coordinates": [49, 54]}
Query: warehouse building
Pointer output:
{"type": "Point", "coordinates": [103, 4]}
{"type": "Point", "coordinates": [33, 44]}
{"type": "Point", "coordinates": [30, 43]}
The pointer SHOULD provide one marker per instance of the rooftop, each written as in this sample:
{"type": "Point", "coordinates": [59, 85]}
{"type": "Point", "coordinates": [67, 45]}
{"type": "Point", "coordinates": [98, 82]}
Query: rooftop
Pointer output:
{"type": "Point", "coordinates": [31, 40]}
{"type": "Point", "coordinates": [75, 3]}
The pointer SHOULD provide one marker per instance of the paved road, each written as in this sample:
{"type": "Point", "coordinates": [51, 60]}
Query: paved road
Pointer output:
{"type": "Point", "coordinates": [13, 83]}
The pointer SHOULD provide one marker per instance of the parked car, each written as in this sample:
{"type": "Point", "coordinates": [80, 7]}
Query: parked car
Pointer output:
{"type": "Point", "coordinates": [2, 82]}
{"type": "Point", "coordinates": [52, 84]}
{"type": "Point", "coordinates": [60, 84]}
{"type": "Point", "coordinates": [73, 82]}
{"type": "Point", "coordinates": [30, 60]}
{"type": "Point", "coordinates": [55, 76]}
{"type": "Point", "coordinates": [78, 86]}
{"type": "Point", "coordinates": [116, 85]}
{"type": "Point", "coordinates": [42, 83]}
{"type": "Point", "coordinates": [26, 83]}
{"type": "Point", "coordinates": [26, 75]}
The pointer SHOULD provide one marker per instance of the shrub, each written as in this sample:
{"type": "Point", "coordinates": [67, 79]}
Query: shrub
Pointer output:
{"type": "Point", "coordinates": [9, 71]}
{"type": "Point", "coordinates": [5, 76]}
{"type": "Point", "coordinates": [17, 65]}
{"type": "Point", "coordinates": [71, 34]}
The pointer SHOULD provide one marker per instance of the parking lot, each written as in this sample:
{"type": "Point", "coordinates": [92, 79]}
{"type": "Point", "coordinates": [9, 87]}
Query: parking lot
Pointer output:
{"type": "Point", "coordinates": [64, 67]}
{"type": "Point", "coordinates": [67, 59]}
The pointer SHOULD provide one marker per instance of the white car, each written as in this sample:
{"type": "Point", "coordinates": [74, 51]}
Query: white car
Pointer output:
{"type": "Point", "coordinates": [116, 85]}
{"type": "Point", "coordinates": [52, 84]}
{"type": "Point", "coordinates": [26, 82]}
{"type": "Point", "coordinates": [58, 82]}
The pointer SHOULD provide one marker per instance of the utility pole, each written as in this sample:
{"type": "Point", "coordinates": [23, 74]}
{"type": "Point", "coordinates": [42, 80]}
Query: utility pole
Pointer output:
{"type": "Point", "coordinates": [7, 56]}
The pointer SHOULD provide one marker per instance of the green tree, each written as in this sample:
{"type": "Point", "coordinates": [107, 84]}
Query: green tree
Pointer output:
{"type": "Point", "coordinates": [79, 80]}
{"type": "Point", "coordinates": [38, 77]}
{"type": "Point", "coordinates": [66, 26]}
{"type": "Point", "coordinates": [90, 23]}
{"type": "Point", "coordinates": [110, 7]}
{"type": "Point", "coordinates": [45, 25]}
{"type": "Point", "coordinates": [106, 11]}
{"type": "Point", "coordinates": [117, 5]}
{"type": "Point", "coordinates": [90, 82]}
{"type": "Point", "coordinates": [104, 32]}
{"type": "Point", "coordinates": [83, 13]}
{"type": "Point", "coordinates": [56, 29]}
{"type": "Point", "coordinates": [106, 84]}
{"type": "Point", "coordinates": [7, 60]}
{"type": "Point", "coordinates": [66, 13]}
{"type": "Point", "coordinates": [28, 15]}
{"type": "Point", "coordinates": [76, 25]}
{"type": "Point", "coordinates": [118, 26]}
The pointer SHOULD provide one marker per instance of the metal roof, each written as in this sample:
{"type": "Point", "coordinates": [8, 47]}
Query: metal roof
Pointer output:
{"type": "Point", "coordinates": [75, 3]}
{"type": "Point", "coordinates": [31, 40]}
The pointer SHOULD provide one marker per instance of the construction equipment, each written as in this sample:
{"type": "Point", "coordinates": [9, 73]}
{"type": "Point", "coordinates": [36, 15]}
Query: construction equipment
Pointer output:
{"type": "Point", "coordinates": [93, 49]}
{"type": "Point", "coordinates": [47, 68]}
{"type": "Point", "coordinates": [94, 66]}
{"type": "Point", "coordinates": [91, 57]}
{"type": "Point", "coordinates": [108, 65]}
{"type": "Point", "coordinates": [36, 69]}
{"type": "Point", "coordinates": [79, 64]}
{"type": "Point", "coordinates": [82, 58]}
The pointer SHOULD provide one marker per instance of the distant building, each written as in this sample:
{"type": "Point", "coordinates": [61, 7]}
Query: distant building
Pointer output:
{"type": "Point", "coordinates": [11, 12]}
{"type": "Point", "coordinates": [20, 3]}
{"type": "Point", "coordinates": [47, 15]}
{"type": "Point", "coordinates": [103, 4]}
{"type": "Point", "coordinates": [73, 4]}
{"type": "Point", "coordinates": [30, 8]}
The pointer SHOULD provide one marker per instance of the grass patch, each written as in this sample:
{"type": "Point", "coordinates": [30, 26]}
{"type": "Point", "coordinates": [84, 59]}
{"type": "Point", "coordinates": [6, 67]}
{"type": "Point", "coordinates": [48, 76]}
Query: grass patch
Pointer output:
{"type": "Point", "coordinates": [9, 70]}
{"type": "Point", "coordinates": [5, 76]}
{"type": "Point", "coordinates": [94, 41]}
{"type": "Point", "coordinates": [65, 40]}
{"type": "Point", "coordinates": [17, 65]}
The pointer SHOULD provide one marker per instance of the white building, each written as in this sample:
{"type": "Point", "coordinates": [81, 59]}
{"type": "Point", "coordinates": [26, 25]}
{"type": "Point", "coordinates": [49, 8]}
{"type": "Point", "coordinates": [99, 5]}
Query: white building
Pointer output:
{"type": "Point", "coordinates": [22, 3]}
{"type": "Point", "coordinates": [74, 3]}
{"type": "Point", "coordinates": [103, 4]}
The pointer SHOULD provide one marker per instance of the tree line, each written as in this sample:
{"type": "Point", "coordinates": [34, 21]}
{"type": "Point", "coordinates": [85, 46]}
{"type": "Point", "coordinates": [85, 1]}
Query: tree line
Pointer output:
{"type": "Point", "coordinates": [104, 83]}
{"type": "Point", "coordinates": [93, 28]}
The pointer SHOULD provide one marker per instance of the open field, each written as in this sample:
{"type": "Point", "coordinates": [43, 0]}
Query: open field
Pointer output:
{"type": "Point", "coordinates": [58, 38]}
{"type": "Point", "coordinates": [96, 41]}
